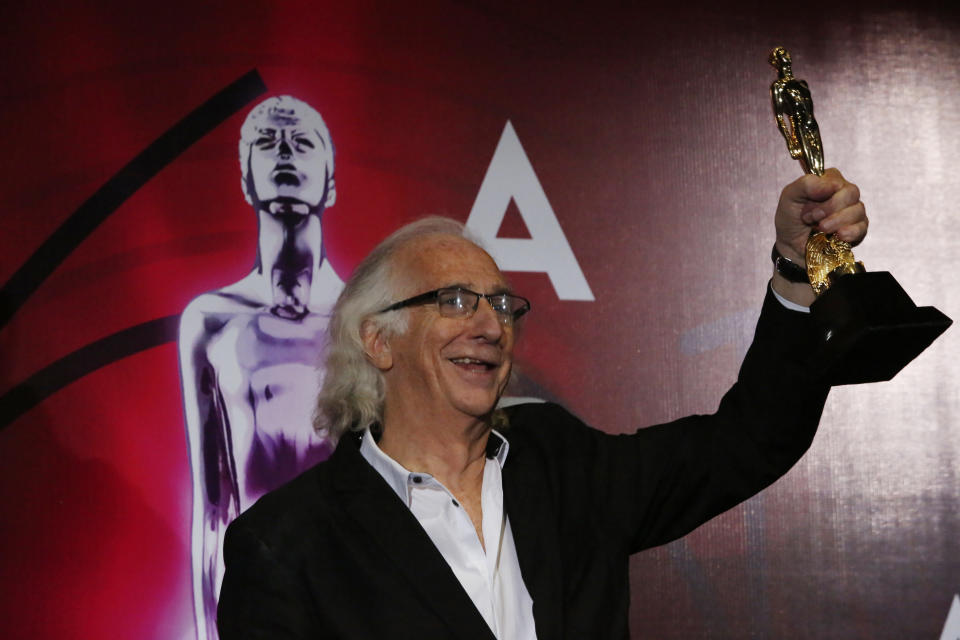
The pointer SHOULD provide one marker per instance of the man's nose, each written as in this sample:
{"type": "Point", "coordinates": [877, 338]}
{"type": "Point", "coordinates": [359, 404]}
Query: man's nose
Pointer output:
{"type": "Point", "coordinates": [487, 321]}
{"type": "Point", "coordinates": [284, 149]}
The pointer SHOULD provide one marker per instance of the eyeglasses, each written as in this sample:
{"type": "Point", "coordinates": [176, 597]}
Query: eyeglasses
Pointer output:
{"type": "Point", "coordinates": [457, 302]}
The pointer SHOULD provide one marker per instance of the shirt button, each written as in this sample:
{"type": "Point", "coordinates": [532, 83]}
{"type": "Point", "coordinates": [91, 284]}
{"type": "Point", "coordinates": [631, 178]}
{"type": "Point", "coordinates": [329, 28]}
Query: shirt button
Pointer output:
{"type": "Point", "coordinates": [417, 479]}
{"type": "Point", "coordinates": [455, 503]}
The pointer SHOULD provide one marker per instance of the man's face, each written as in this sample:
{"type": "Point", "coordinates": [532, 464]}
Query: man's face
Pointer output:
{"type": "Point", "coordinates": [449, 366]}
{"type": "Point", "coordinates": [287, 161]}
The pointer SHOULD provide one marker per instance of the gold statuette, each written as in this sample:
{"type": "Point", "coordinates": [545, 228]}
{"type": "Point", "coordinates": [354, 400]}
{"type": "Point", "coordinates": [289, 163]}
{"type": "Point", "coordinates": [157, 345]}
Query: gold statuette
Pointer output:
{"type": "Point", "coordinates": [827, 256]}
{"type": "Point", "coordinates": [793, 107]}
{"type": "Point", "coordinates": [869, 327]}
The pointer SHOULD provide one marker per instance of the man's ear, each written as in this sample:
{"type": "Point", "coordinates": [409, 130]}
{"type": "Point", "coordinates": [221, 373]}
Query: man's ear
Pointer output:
{"type": "Point", "coordinates": [376, 345]}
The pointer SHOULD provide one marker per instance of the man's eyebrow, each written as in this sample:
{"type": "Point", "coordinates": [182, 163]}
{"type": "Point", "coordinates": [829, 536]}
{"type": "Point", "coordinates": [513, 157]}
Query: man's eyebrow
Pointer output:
{"type": "Point", "coordinates": [496, 290]}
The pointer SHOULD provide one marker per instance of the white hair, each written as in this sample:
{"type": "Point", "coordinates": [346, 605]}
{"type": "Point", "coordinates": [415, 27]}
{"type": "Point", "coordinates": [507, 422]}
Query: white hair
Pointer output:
{"type": "Point", "coordinates": [353, 390]}
{"type": "Point", "coordinates": [284, 109]}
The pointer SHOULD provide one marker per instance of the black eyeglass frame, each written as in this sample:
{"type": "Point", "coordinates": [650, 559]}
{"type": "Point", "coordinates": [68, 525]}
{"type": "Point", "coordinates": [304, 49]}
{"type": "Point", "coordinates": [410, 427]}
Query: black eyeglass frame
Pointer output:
{"type": "Point", "coordinates": [434, 296]}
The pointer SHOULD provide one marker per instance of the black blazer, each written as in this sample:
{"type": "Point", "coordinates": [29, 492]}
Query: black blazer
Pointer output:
{"type": "Point", "coordinates": [335, 553]}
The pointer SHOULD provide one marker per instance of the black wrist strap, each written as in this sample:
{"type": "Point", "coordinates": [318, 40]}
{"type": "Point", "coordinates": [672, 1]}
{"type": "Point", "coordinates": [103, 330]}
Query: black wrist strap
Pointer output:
{"type": "Point", "coordinates": [788, 269]}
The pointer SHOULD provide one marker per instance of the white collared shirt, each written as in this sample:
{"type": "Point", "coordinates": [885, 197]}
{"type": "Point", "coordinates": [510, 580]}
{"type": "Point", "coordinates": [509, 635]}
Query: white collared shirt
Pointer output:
{"type": "Point", "coordinates": [490, 577]}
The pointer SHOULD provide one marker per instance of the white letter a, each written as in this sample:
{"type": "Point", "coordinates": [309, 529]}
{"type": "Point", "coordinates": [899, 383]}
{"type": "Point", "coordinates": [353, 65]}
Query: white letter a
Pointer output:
{"type": "Point", "coordinates": [951, 628]}
{"type": "Point", "coordinates": [510, 175]}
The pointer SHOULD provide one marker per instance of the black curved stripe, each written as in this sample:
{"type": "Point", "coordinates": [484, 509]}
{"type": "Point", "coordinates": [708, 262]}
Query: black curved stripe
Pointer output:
{"type": "Point", "coordinates": [121, 186]}
{"type": "Point", "coordinates": [83, 361]}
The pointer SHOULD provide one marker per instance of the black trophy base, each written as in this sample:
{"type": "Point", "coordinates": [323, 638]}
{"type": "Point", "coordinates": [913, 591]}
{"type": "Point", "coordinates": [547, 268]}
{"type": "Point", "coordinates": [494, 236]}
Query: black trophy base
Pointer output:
{"type": "Point", "coordinates": [871, 329]}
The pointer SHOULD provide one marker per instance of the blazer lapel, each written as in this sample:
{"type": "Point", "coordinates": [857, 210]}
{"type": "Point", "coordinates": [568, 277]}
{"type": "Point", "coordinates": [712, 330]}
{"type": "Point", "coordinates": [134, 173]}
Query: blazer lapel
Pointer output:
{"type": "Point", "coordinates": [533, 521]}
{"type": "Point", "coordinates": [367, 498]}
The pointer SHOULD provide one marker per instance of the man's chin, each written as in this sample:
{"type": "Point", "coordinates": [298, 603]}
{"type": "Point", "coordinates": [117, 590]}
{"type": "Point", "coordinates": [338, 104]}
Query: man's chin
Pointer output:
{"type": "Point", "coordinates": [479, 408]}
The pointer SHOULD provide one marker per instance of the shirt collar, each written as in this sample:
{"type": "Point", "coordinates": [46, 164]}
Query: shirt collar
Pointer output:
{"type": "Point", "coordinates": [398, 477]}
{"type": "Point", "coordinates": [497, 447]}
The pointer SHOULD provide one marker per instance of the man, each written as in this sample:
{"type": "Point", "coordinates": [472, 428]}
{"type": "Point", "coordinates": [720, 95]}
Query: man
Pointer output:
{"type": "Point", "coordinates": [248, 351]}
{"type": "Point", "coordinates": [440, 516]}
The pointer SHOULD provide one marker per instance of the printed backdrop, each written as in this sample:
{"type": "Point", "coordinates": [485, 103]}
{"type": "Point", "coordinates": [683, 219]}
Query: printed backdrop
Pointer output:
{"type": "Point", "coordinates": [642, 137]}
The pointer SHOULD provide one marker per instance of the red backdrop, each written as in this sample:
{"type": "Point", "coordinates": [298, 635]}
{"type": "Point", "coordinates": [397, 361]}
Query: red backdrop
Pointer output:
{"type": "Point", "coordinates": [651, 134]}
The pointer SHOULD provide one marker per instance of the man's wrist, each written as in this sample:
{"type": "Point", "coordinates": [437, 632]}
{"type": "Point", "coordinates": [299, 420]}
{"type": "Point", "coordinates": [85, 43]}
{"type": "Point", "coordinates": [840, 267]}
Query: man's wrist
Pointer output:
{"type": "Point", "coordinates": [788, 302]}
{"type": "Point", "coordinates": [798, 293]}
{"type": "Point", "coordinates": [793, 270]}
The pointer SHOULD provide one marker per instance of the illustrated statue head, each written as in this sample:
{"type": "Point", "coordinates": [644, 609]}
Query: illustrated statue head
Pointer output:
{"type": "Point", "coordinates": [286, 155]}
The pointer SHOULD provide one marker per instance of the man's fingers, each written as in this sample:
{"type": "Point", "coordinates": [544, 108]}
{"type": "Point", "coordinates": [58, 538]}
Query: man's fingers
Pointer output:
{"type": "Point", "coordinates": [812, 217]}
{"type": "Point", "coordinates": [849, 224]}
{"type": "Point", "coordinates": [853, 233]}
{"type": "Point", "coordinates": [813, 189]}
{"type": "Point", "coordinates": [850, 214]}
{"type": "Point", "coordinates": [827, 203]}
{"type": "Point", "coordinates": [846, 196]}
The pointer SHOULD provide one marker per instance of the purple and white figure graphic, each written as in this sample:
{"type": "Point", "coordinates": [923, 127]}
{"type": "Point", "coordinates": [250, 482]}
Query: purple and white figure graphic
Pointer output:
{"type": "Point", "coordinates": [249, 351]}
